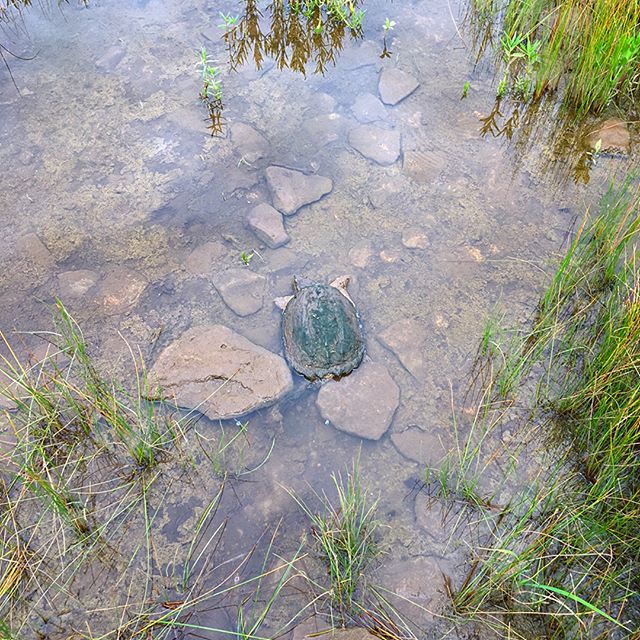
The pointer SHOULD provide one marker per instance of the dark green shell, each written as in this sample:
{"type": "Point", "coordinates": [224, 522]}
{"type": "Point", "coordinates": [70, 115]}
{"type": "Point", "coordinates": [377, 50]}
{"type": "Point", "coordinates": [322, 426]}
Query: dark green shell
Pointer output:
{"type": "Point", "coordinates": [322, 333]}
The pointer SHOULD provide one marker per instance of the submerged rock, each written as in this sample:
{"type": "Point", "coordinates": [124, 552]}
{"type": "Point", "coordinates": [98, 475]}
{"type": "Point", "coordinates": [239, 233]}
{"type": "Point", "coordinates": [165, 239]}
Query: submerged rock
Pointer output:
{"type": "Point", "coordinates": [361, 253]}
{"type": "Point", "coordinates": [613, 135]}
{"type": "Point", "coordinates": [415, 239]}
{"type": "Point", "coordinates": [425, 447]}
{"type": "Point", "coordinates": [314, 628]}
{"type": "Point", "coordinates": [251, 144]}
{"type": "Point", "coordinates": [325, 129]}
{"type": "Point", "coordinates": [266, 223]}
{"type": "Point", "coordinates": [74, 284]}
{"type": "Point", "coordinates": [406, 338]}
{"type": "Point", "coordinates": [361, 404]}
{"type": "Point", "coordinates": [241, 289]}
{"type": "Point", "coordinates": [367, 108]}
{"type": "Point", "coordinates": [201, 260]}
{"type": "Point", "coordinates": [220, 373]}
{"type": "Point", "coordinates": [380, 145]}
{"type": "Point", "coordinates": [120, 290]}
{"type": "Point", "coordinates": [395, 85]}
{"type": "Point", "coordinates": [292, 189]}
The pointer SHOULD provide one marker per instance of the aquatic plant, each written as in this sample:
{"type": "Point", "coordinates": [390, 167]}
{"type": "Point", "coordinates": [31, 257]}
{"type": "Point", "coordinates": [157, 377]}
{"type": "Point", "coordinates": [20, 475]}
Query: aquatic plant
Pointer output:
{"type": "Point", "coordinates": [346, 536]}
{"type": "Point", "coordinates": [564, 554]}
{"type": "Point", "coordinates": [589, 51]}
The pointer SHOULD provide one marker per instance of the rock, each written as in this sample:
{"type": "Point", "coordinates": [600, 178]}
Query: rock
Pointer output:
{"type": "Point", "coordinates": [241, 289]}
{"type": "Point", "coordinates": [201, 260]}
{"type": "Point", "coordinates": [266, 223]}
{"type": "Point", "coordinates": [8, 391]}
{"type": "Point", "coordinates": [367, 108]}
{"type": "Point", "coordinates": [415, 239]}
{"type": "Point", "coordinates": [220, 373]}
{"type": "Point", "coordinates": [323, 103]}
{"type": "Point", "coordinates": [34, 250]}
{"type": "Point", "coordinates": [390, 257]}
{"type": "Point", "coordinates": [425, 447]}
{"type": "Point", "coordinates": [74, 284]}
{"type": "Point", "coordinates": [291, 189]}
{"type": "Point", "coordinates": [325, 129]}
{"type": "Point", "coordinates": [423, 166]}
{"type": "Point", "coordinates": [363, 403]}
{"type": "Point", "coordinates": [613, 134]}
{"type": "Point", "coordinates": [364, 54]}
{"type": "Point", "coordinates": [251, 144]}
{"type": "Point", "coordinates": [120, 290]}
{"type": "Point", "coordinates": [314, 628]}
{"type": "Point", "coordinates": [395, 85]}
{"type": "Point", "coordinates": [406, 338]}
{"type": "Point", "coordinates": [360, 254]}
{"type": "Point", "coordinates": [431, 515]}
{"type": "Point", "coordinates": [380, 145]}
{"type": "Point", "coordinates": [111, 59]}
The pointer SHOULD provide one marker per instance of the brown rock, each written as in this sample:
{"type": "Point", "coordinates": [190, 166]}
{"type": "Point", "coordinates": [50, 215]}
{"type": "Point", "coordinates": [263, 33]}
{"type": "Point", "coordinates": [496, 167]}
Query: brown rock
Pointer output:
{"type": "Point", "coordinates": [314, 628]}
{"type": "Point", "coordinates": [325, 129]}
{"type": "Point", "coordinates": [291, 189]}
{"type": "Point", "coordinates": [613, 135]}
{"type": "Point", "coordinates": [425, 447]}
{"type": "Point", "coordinates": [220, 373]}
{"type": "Point", "coordinates": [32, 248]}
{"type": "Point", "coordinates": [423, 166]}
{"type": "Point", "coordinates": [241, 289]}
{"type": "Point", "coordinates": [74, 284]}
{"type": "Point", "coordinates": [201, 260]}
{"type": "Point", "coordinates": [395, 85]}
{"type": "Point", "coordinates": [415, 239]}
{"type": "Point", "coordinates": [120, 290]}
{"type": "Point", "coordinates": [363, 403]}
{"type": "Point", "coordinates": [360, 254]}
{"type": "Point", "coordinates": [380, 145]}
{"type": "Point", "coordinates": [266, 223]}
{"type": "Point", "coordinates": [406, 338]}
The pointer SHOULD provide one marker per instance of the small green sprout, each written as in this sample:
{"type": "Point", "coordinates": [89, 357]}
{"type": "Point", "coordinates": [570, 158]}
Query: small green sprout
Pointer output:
{"type": "Point", "coordinates": [228, 21]}
{"type": "Point", "coordinates": [465, 89]}
{"type": "Point", "coordinates": [388, 25]}
{"type": "Point", "coordinates": [246, 258]}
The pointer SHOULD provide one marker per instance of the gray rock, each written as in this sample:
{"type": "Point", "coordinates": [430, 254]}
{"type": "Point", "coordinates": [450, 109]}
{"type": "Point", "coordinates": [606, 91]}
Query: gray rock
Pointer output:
{"type": "Point", "coordinates": [367, 108]}
{"type": "Point", "coordinates": [363, 403]}
{"type": "Point", "coordinates": [241, 289]}
{"type": "Point", "coordinates": [325, 129]}
{"type": "Point", "coordinates": [266, 223]}
{"type": "Point", "coordinates": [423, 166]}
{"type": "Point", "coordinates": [120, 290]}
{"type": "Point", "coordinates": [407, 338]}
{"type": "Point", "coordinates": [380, 145]}
{"type": "Point", "coordinates": [425, 447]}
{"type": "Point", "coordinates": [111, 59]}
{"type": "Point", "coordinates": [251, 144]}
{"type": "Point", "coordinates": [395, 85]}
{"type": "Point", "coordinates": [74, 284]}
{"type": "Point", "coordinates": [291, 189]}
{"type": "Point", "coordinates": [415, 239]}
{"type": "Point", "coordinates": [35, 251]}
{"type": "Point", "coordinates": [220, 373]}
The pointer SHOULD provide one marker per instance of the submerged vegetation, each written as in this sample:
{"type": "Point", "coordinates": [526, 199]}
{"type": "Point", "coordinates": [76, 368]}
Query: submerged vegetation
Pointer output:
{"type": "Point", "coordinates": [562, 558]}
{"type": "Point", "coordinates": [588, 51]}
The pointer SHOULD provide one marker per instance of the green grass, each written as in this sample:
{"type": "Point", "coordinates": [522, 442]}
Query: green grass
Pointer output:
{"type": "Point", "coordinates": [589, 51]}
{"type": "Point", "coordinates": [346, 537]}
{"type": "Point", "coordinates": [562, 558]}
{"type": "Point", "coordinates": [83, 495]}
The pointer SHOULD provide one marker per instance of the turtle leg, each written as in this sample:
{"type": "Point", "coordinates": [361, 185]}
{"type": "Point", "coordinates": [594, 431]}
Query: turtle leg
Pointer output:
{"type": "Point", "coordinates": [282, 301]}
{"type": "Point", "coordinates": [341, 283]}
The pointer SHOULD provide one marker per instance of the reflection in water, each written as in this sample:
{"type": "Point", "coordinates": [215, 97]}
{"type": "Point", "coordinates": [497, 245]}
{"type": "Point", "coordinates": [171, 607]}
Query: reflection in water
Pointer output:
{"type": "Point", "coordinates": [294, 33]}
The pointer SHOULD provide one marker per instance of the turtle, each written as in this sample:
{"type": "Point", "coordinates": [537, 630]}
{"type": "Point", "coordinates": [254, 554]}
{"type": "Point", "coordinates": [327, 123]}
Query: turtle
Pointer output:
{"type": "Point", "coordinates": [321, 330]}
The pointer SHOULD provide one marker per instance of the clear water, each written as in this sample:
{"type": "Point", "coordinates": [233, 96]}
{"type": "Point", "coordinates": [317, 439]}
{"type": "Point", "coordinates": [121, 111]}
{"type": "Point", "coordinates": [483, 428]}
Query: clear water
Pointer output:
{"type": "Point", "coordinates": [108, 167]}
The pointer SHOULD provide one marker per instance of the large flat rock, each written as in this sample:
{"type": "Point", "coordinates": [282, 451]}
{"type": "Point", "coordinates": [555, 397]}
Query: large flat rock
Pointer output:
{"type": "Point", "coordinates": [361, 404]}
{"type": "Point", "coordinates": [380, 145]}
{"type": "Point", "coordinates": [220, 373]}
{"type": "Point", "coordinates": [266, 223]}
{"type": "Point", "coordinates": [291, 189]}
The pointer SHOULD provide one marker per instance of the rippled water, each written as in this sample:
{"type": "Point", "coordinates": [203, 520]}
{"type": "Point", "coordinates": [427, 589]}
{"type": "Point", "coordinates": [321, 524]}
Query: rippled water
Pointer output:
{"type": "Point", "coordinates": [110, 173]}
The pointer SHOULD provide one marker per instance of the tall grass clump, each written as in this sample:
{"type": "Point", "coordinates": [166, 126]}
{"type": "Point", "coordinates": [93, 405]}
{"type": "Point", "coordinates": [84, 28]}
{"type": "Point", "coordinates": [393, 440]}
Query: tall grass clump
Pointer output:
{"type": "Point", "coordinates": [346, 535]}
{"type": "Point", "coordinates": [588, 50]}
{"type": "Point", "coordinates": [565, 553]}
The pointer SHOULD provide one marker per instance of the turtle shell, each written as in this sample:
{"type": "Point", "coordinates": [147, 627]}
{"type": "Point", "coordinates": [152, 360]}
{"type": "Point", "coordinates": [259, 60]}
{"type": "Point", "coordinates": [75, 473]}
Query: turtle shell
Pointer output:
{"type": "Point", "coordinates": [322, 333]}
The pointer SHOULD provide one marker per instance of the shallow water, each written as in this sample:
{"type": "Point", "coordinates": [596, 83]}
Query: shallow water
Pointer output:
{"type": "Point", "coordinates": [108, 167]}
